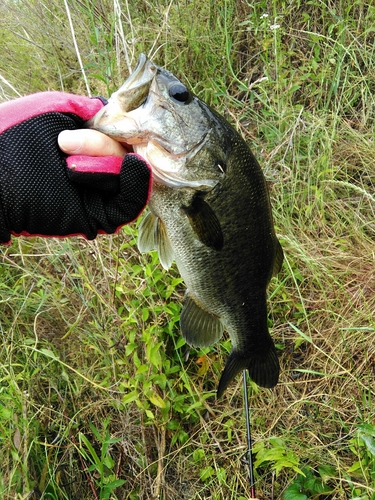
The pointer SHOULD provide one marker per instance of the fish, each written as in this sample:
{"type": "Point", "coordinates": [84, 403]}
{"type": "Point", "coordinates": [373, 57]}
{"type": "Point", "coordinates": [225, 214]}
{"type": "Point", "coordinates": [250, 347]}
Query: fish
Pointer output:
{"type": "Point", "coordinates": [210, 212]}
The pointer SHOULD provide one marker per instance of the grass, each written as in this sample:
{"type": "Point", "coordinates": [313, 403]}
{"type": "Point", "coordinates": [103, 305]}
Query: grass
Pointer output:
{"type": "Point", "coordinates": [94, 386]}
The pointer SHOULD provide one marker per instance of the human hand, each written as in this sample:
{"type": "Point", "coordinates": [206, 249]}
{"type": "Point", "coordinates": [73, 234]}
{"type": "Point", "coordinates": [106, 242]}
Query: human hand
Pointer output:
{"type": "Point", "coordinates": [46, 191]}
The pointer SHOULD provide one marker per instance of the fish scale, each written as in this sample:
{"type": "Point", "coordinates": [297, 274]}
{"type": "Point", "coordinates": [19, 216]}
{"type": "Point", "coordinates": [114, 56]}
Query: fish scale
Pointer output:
{"type": "Point", "coordinates": [209, 211]}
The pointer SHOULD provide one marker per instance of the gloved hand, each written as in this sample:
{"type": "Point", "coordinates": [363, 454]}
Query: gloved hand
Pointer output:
{"type": "Point", "coordinates": [47, 193]}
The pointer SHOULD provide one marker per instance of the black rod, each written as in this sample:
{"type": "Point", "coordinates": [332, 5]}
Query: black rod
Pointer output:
{"type": "Point", "coordinates": [248, 432]}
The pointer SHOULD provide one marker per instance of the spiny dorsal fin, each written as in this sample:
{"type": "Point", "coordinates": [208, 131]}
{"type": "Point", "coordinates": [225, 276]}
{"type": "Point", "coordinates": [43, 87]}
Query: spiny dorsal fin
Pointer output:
{"type": "Point", "coordinates": [199, 327]}
{"type": "Point", "coordinates": [152, 235]}
{"type": "Point", "coordinates": [204, 223]}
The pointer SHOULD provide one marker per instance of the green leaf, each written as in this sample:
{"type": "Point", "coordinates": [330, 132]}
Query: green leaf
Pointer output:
{"type": "Point", "coordinates": [91, 455]}
{"type": "Point", "coordinates": [145, 313]}
{"type": "Point", "coordinates": [356, 466]}
{"type": "Point", "coordinates": [5, 413]}
{"type": "Point", "coordinates": [293, 492]}
{"type": "Point", "coordinates": [198, 455]}
{"type": "Point", "coordinates": [221, 475]}
{"type": "Point", "coordinates": [150, 415]}
{"type": "Point", "coordinates": [161, 380]}
{"type": "Point", "coordinates": [130, 397]}
{"type": "Point", "coordinates": [157, 400]}
{"type": "Point", "coordinates": [130, 348]}
{"type": "Point", "coordinates": [173, 425]}
{"type": "Point", "coordinates": [369, 443]}
{"type": "Point", "coordinates": [180, 342]}
{"type": "Point", "coordinates": [367, 429]}
{"type": "Point", "coordinates": [142, 369]}
{"type": "Point", "coordinates": [206, 473]}
{"type": "Point", "coordinates": [154, 355]}
{"type": "Point", "coordinates": [327, 472]}
{"type": "Point", "coordinates": [116, 483]}
{"type": "Point", "coordinates": [48, 353]}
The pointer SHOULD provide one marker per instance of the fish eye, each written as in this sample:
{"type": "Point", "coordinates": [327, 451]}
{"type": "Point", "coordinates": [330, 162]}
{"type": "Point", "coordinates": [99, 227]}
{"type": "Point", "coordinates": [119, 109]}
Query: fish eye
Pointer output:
{"type": "Point", "coordinates": [178, 92]}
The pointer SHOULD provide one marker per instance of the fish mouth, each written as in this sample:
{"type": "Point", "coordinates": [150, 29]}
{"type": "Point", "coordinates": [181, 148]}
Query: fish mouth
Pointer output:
{"type": "Point", "coordinates": [134, 91]}
{"type": "Point", "coordinates": [128, 97]}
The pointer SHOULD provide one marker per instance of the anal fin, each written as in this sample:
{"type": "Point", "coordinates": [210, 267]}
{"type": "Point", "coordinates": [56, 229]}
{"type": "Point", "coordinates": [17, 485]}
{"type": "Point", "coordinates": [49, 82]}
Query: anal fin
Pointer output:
{"type": "Point", "coordinates": [199, 327]}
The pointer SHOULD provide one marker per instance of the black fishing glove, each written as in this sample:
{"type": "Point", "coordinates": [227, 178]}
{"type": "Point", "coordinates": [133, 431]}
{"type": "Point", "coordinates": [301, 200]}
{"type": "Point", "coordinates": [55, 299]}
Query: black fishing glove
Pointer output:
{"type": "Point", "coordinates": [47, 193]}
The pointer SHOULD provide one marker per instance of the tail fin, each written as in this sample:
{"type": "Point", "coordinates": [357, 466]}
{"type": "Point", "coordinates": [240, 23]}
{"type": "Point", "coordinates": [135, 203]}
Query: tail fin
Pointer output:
{"type": "Point", "coordinates": [263, 370]}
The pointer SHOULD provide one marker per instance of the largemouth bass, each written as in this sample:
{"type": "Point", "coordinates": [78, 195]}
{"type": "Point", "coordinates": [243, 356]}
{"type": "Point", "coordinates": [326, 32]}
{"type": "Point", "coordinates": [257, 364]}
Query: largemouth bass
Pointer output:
{"type": "Point", "coordinates": [209, 211]}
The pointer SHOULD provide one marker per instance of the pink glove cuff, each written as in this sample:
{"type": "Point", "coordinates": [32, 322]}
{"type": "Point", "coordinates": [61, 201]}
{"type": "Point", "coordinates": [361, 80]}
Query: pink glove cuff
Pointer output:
{"type": "Point", "coordinates": [99, 164]}
{"type": "Point", "coordinates": [95, 164]}
{"type": "Point", "coordinates": [21, 109]}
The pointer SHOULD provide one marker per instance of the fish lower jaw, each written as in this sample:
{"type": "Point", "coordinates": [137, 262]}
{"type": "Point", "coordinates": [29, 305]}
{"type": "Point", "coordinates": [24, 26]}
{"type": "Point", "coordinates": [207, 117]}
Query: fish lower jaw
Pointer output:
{"type": "Point", "coordinates": [175, 181]}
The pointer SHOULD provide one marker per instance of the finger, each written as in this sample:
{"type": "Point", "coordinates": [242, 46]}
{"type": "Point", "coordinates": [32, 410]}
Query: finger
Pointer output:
{"type": "Point", "coordinates": [90, 143]}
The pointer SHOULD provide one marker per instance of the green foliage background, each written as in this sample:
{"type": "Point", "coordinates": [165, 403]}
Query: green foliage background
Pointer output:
{"type": "Point", "coordinates": [96, 397]}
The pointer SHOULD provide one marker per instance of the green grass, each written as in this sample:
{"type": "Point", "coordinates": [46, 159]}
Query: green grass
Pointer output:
{"type": "Point", "coordinates": [94, 387]}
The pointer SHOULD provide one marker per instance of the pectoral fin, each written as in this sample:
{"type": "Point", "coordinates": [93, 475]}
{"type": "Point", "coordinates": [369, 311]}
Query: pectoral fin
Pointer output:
{"type": "Point", "coordinates": [152, 235]}
{"type": "Point", "coordinates": [199, 327]}
{"type": "Point", "coordinates": [204, 223]}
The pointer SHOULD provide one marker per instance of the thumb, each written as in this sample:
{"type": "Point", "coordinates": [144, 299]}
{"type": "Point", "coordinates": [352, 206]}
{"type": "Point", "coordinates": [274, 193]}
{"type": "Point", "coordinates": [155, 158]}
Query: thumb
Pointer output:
{"type": "Point", "coordinates": [90, 143]}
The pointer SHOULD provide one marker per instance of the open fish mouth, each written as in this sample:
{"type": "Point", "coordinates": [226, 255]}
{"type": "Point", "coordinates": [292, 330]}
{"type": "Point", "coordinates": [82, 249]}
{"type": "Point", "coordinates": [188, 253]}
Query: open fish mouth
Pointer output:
{"type": "Point", "coordinates": [136, 88]}
{"type": "Point", "coordinates": [130, 96]}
